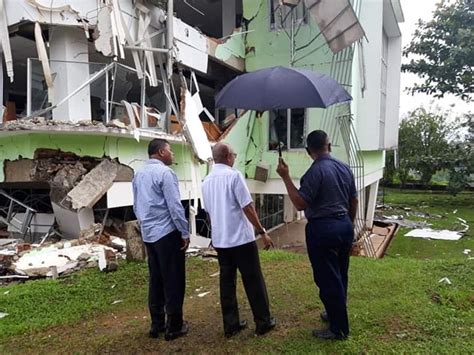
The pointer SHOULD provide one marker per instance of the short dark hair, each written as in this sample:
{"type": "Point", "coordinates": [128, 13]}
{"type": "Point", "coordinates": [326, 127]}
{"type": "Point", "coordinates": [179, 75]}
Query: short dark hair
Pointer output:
{"type": "Point", "coordinates": [155, 145]}
{"type": "Point", "coordinates": [316, 140]}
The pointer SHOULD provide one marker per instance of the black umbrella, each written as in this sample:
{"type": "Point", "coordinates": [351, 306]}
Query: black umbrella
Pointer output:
{"type": "Point", "coordinates": [281, 88]}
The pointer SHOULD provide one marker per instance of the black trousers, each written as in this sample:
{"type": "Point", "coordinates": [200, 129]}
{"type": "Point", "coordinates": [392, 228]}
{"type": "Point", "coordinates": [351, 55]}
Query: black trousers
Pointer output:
{"type": "Point", "coordinates": [244, 258]}
{"type": "Point", "coordinates": [166, 264]}
{"type": "Point", "coordinates": [329, 242]}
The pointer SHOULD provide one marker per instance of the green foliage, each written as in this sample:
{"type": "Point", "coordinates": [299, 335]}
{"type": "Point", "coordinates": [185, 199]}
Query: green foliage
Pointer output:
{"type": "Point", "coordinates": [423, 144]}
{"type": "Point", "coordinates": [443, 50]}
{"type": "Point", "coordinates": [390, 170]}
{"type": "Point", "coordinates": [461, 162]}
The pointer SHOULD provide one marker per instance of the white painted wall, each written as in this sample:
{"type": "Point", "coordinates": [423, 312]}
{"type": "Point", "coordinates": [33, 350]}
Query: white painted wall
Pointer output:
{"type": "Point", "coordinates": [374, 17]}
{"type": "Point", "coordinates": [366, 105]}
{"type": "Point", "coordinates": [393, 92]}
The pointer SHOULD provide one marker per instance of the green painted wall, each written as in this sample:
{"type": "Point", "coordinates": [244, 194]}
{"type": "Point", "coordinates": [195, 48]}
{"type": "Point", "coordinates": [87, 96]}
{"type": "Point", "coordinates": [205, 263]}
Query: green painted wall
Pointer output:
{"type": "Point", "coordinates": [373, 161]}
{"type": "Point", "coordinates": [267, 48]}
{"type": "Point", "coordinates": [129, 151]}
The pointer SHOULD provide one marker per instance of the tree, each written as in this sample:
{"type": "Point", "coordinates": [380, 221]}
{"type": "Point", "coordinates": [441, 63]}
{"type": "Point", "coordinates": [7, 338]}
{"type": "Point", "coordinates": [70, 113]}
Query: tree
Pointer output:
{"type": "Point", "coordinates": [461, 163]}
{"type": "Point", "coordinates": [444, 51]}
{"type": "Point", "coordinates": [423, 144]}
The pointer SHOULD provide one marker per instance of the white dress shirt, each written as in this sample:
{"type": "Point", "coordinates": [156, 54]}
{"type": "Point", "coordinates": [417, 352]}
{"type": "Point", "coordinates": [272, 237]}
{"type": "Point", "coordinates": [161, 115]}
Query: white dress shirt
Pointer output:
{"type": "Point", "coordinates": [225, 194]}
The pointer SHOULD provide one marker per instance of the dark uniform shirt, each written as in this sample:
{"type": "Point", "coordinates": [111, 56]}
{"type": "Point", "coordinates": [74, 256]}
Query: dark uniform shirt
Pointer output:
{"type": "Point", "coordinates": [327, 187]}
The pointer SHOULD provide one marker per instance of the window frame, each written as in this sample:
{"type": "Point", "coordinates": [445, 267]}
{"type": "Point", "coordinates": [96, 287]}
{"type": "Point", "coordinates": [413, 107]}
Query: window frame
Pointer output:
{"type": "Point", "coordinates": [288, 130]}
{"type": "Point", "coordinates": [299, 21]}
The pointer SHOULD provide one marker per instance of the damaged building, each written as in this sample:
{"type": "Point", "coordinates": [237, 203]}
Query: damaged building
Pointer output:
{"type": "Point", "coordinates": [87, 84]}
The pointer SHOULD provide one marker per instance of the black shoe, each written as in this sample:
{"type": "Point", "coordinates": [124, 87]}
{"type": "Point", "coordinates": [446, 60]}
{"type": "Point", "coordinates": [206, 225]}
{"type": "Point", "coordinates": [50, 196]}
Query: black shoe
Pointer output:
{"type": "Point", "coordinates": [174, 335]}
{"type": "Point", "coordinates": [324, 316]}
{"type": "Point", "coordinates": [327, 335]}
{"type": "Point", "coordinates": [242, 325]}
{"type": "Point", "coordinates": [267, 327]}
{"type": "Point", "coordinates": [155, 331]}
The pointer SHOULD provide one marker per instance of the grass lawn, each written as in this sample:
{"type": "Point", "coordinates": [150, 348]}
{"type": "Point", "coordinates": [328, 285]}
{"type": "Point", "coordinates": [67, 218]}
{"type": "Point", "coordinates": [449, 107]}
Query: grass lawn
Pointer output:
{"type": "Point", "coordinates": [396, 305]}
{"type": "Point", "coordinates": [439, 206]}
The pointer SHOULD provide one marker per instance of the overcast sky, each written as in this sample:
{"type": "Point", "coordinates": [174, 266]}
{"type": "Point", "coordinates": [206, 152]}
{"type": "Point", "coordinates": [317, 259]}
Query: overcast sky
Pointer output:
{"type": "Point", "coordinates": [412, 11]}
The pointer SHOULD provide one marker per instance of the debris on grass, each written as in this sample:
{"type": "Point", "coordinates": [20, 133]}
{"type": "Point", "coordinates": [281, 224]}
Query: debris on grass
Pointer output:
{"type": "Point", "coordinates": [117, 301]}
{"type": "Point", "coordinates": [3, 315]}
{"type": "Point", "coordinates": [215, 274]}
{"type": "Point", "coordinates": [20, 260]}
{"type": "Point", "coordinates": [445, 280]}
{"type": "Point", "coordinates": [428, 233]}
{"type": "Point", "coordinates": [466, 251]}
{"type": "Point", "coordinates": [204, 294]}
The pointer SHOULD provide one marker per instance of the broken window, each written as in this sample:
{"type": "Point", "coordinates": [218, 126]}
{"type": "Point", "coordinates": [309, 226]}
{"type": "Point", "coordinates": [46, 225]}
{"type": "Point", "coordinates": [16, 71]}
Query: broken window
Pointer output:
{"type": "Point", "coordinates": [282, 13]}
{"type": "Point", "coordinates": [288, 128]}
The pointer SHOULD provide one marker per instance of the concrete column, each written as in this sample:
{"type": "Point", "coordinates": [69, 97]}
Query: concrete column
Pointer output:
{"type": "Point", "coordinates": [371, 203]}
{"type": "Point", "coordinates": [69, 44]}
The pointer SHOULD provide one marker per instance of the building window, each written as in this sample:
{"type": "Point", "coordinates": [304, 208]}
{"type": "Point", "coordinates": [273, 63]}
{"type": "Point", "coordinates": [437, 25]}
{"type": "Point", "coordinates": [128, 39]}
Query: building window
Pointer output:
{"type": "Point", "coordinates": [281, 15]}
{"type": "Point", "coordinates": [288, 128]}
{"type": "Point", "coordinates": [270, 209]}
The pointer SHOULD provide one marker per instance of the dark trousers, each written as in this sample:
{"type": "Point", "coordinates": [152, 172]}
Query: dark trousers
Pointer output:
{"type": "Point", "coordinates": [244, 258]}
{"type": "Point", "coordinates": [329, 242]}
{"type": "Point", "coordinates": [167, 282]}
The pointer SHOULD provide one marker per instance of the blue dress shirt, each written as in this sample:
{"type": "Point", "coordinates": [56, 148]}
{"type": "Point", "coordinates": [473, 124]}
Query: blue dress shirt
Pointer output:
{"type": "Point", "coordinates": [157, 202]}
{"type": "Point", "coordinates": [327, 187]}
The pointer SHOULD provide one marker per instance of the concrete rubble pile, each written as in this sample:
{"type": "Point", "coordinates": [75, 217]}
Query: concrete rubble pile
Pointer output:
{"type": "Point", "coordinates": [94, 248]}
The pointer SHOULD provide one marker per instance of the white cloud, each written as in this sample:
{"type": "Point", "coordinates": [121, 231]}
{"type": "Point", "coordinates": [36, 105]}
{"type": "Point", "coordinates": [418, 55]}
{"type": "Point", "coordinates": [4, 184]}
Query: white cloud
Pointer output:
{"type": "Point", "coordinates": [414, 10]}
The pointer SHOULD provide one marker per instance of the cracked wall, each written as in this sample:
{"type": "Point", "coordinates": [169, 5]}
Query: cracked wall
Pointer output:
{"type": "Point", "coordinates": [128, 151]}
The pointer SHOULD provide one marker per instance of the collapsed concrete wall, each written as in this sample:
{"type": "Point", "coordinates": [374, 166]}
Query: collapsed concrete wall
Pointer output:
{"type": "Point", "coordinates": [76, 183]}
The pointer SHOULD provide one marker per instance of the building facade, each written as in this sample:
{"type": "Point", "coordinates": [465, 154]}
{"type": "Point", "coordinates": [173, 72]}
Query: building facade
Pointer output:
{"type": "Point", "coordinates": [87, 81]}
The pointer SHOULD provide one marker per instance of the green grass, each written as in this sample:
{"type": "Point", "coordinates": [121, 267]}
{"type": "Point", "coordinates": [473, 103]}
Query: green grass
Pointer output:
{"type": "Point", "coordinates": [439, 206]}
{"type": "Point", "coordinates": [396, 304]}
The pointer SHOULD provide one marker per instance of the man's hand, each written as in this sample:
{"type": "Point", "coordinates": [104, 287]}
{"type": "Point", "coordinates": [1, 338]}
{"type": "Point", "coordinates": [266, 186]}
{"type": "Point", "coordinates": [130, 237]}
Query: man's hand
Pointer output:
{"type": "Point", "coordinates": [185, 244]}
{"type": "Point", "coordinates": [267, 241]}
{"type": "Point", "coordinates": [282, 168]}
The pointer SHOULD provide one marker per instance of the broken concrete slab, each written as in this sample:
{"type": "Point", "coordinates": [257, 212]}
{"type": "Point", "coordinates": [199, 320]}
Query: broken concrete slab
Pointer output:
{"type": "Point", "coordinates": [39, 261]}
{"type": "Point", "coordinates": [70, 223]}
{"type": "Point", "coordinates": [94, 185]}
{"type": "Point", "coordinates": [135, 250]}
{"type": "Point", "coordinates": [107, 260]}
{"type": "Point", "coordinates": [199, 242]}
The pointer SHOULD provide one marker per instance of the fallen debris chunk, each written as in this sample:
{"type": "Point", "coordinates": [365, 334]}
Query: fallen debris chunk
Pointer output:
{"type": "Point", "coordinates": [117, 301]}
{"type": "Point", "coordinates": [94, 185]}
{"type": "Point", "coordinates": [215, 274]}
{"type": "Point", "coordinates": [6, 277]}
{"type": "Point", "coordinates": [107, 260]}
{"type": "Point", "coordinates": [434, 234]}
{"type": "Point", "coordinates": [204, 294]}
{"type": "Point", "coordinates": [466, 251]}
{"type": "Point", "coordinates": [445, 280]}
{"type": "Point", "coordinates": [3, 315]}
{"type": "Point", "coordinates": [38, 261]}
{"type": "Point", "coordinates": [135, 250]}
{"type": "Point", "coordinates": [6, 292]}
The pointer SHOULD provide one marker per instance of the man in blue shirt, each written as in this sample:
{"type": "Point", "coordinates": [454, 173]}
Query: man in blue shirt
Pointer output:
{"type": "Point", "coordinates": [165, 232]}
{"type": "Point", "coordinates": [328, 196]}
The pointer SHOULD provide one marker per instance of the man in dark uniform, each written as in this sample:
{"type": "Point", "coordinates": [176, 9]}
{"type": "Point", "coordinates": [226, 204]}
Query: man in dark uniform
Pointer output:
{"type": "Point", "coordinates": [328, 196]}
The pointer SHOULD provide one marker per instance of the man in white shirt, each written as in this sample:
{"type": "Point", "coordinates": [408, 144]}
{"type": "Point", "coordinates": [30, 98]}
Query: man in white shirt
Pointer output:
{"type": "Point", "coordinates": [230, 208]}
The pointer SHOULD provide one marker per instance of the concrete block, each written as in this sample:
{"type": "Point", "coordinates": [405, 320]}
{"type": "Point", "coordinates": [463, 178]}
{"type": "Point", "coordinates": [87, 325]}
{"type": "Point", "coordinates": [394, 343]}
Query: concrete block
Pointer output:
{"type": "Point", "coordinates": [94, 185]}
{"type": "Point", "coordinates": [71, 223]}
